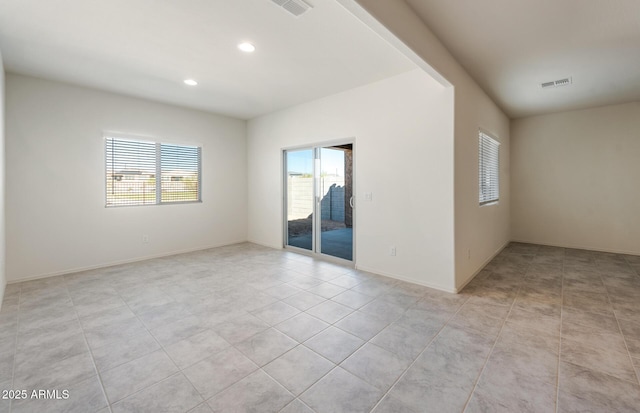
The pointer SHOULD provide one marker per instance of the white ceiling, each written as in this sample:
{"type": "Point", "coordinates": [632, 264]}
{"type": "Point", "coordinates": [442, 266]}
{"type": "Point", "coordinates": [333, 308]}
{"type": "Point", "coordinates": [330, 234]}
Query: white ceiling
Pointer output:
{"type": "Point", "coordinates": [146, 48]}
{"type": "Point", "coordinates": [511, 46]}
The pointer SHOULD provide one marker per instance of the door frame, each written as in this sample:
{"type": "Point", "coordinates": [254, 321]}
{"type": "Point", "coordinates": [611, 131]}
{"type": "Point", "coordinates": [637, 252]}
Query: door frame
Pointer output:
{"type": "Point", "coordinates": [315, 246]}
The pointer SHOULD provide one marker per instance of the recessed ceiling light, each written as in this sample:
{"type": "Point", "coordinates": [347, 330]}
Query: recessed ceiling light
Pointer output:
{"type": "Point", "coordinates": [246, 47]}
{"type": "Point", "coordinates": [190, 82]}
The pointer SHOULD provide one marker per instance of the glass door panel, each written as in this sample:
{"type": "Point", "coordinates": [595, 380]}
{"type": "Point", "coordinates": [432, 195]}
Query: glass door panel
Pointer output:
{"type": "Point", "coordinates": [335, 194]}
{"type": "Point", "coordinates": [300, 198]}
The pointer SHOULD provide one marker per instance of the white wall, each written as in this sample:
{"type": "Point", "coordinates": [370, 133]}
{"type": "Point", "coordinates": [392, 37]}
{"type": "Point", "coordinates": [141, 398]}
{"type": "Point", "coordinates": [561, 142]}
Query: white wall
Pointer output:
{"type": "Point", "coordinates": [56, 218]}
{"type": "Point", "coordinates": [403, 155]}
{"type": "Point", "coordinates": [3, 276]}
{"type": "Point", "coordinates": [575, 179]}
{"type": "Point", "coordinates": [480, 232]}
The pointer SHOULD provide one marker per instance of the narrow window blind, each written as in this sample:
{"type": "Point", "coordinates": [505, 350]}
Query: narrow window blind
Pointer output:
{"type": "Point", "coordinates": [151, 173]}
{"type": "Point", "coordinates": [489, 169]}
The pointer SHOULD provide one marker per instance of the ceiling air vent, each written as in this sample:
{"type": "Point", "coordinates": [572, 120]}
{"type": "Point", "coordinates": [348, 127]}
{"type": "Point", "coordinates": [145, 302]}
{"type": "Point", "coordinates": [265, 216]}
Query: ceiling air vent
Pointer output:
{"type": "Point", "coordinates": [556, 83]}
{"type": "Point", "coordinates": [295, 7]}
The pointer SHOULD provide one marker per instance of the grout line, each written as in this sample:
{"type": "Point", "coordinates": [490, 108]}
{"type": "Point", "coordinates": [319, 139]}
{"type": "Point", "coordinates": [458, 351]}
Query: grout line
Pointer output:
{"type": "Point", "coordinates": [231, 345]}
{"type": "Point", "coordinates": [593, 263]}
{"type": "Point", "coordinates": [298, 344]}
{"type": "Point", "coordinates": [335, 365]}
{"type": "Point", "coordinates": [365, 342]}
{"type": "Point", "coordinates": [624, 339]}
{"type": "Point", "coordinates": [180, 370]}
{"type": "Point", "coordinates": [282, 385]}
{"type": "Point", "coordinates": [86, 342]}
{"type": "Point", "coordinates": [623, 336]}
{"type": "Point", "coordinates": [435, 336]}
{"type": "Point", "coordinates": [126, 304]}
{"type": "Point", "coordinates": [560, 338]}
{"type": "Point", "coordinates": [486, 361]}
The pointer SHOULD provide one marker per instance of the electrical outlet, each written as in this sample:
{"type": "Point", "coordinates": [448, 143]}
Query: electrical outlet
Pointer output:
{"type": "Point", "coordinates": [368, 196]}
{"type": "Point", "coordinates": [392, 251]}
{"type": "Point", "coordinates": [145, 239]}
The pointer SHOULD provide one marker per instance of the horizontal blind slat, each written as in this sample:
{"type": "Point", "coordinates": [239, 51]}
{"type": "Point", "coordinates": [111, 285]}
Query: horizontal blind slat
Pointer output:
{"type": "Point", "coordinates": [488, 169]}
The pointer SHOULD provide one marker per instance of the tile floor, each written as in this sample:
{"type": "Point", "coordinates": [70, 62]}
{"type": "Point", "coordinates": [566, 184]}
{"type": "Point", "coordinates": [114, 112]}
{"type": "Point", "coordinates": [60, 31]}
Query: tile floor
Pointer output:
{"type": "Point", "coordinates": [246, 328]}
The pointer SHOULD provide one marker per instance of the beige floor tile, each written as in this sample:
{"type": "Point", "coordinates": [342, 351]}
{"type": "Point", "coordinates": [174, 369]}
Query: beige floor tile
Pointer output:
{"type": "Point", "coordinates": [136, 375]}
{"type": "Point", "coordinates": [405, 342]}
{"type": "Point", "coordinates": [302, 327]}
{"type": "Point", "coordinates": [266, 346]}
{"type": "Point", "coordinates": [334, 344]}
{"type": "Point", "coordinates": [196, 348]}
{"type": "Point", "coordinates": [362, 325]}
{"type": "Point", "coordinates": [241, 328]}
{"type": "Point", "coordinates": [329, 311]}
{"type": "Point", "coordinates": [304, 300]}
{"type": "Point", "coordinates": [173, 394]}
{"type": "Point", "coordinates": [341, 392]}
{"type": "Point", "coordinates": [276, 313]}
{"type": "Point", "coordinates": [256, 392]}
{"type": "Point", "coordinates": [298, 369]}
{"type": "Point", "coordinates": [391, 405]}
{"type": "Point", "coordinates": [296, 406]}
{"type": "Point", "coordinates": [216, 373]}
{"type": "Point", "coordinates": [352, 299]}
{"type": "Point", "coordinates": [596, 357]}
{"type": "Point", "coordinates": [597, 389]}
{"type": "Point", "coordinates": [376, 366]}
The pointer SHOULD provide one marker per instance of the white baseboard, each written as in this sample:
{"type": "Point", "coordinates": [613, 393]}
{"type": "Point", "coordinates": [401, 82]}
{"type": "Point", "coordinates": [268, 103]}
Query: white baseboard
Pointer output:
{"type": "Point", "coordinates": [409, 280]}
{"type": "Point", "coordinates": [2, 287]}
{"type": "Point", "coordinates": [264, 244]}
{"type": "Point", "coordinates": [113, 263]}
{"type": "Point", "coordinates": [579, 247]}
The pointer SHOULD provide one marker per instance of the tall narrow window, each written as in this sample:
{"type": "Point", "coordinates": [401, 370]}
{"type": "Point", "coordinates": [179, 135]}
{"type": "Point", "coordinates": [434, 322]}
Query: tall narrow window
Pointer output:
{"type": "Point", "coordinates": [489, 169]}
{"type": "Point", "coordinates": [149, 173]}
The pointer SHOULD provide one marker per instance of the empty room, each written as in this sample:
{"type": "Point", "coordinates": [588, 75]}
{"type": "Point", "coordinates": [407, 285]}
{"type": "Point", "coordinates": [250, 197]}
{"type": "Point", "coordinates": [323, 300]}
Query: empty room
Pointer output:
{"type": "Point", "coordinates": [322, 206]}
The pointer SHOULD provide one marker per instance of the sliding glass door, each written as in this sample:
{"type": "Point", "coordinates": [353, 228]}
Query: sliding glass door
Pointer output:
{"type": "Point", "coordinates": [319, 200]}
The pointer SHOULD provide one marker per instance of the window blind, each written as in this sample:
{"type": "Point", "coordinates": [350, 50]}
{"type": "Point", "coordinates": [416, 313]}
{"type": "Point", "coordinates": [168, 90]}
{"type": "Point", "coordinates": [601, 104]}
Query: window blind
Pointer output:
{"type": "Point", "coordinates": [132, 167]}
{"type": "Point", "coordinates": [489, 169]}
{"type": "Point", "coordinates": [180, 172]}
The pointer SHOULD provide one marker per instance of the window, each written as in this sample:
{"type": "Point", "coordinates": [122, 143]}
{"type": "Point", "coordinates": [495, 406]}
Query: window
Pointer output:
{"type": "Point", "coordinates": [132, 167]}
{"type": "Point", "coordinates": [489, 169]}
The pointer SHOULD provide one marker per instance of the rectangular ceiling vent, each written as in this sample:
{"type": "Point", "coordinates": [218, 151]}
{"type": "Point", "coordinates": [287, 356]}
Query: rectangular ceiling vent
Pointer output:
{"type": "Point", "coordinates": [557, 83]}
{"type": "Point", "coordinates": [295, 7]}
